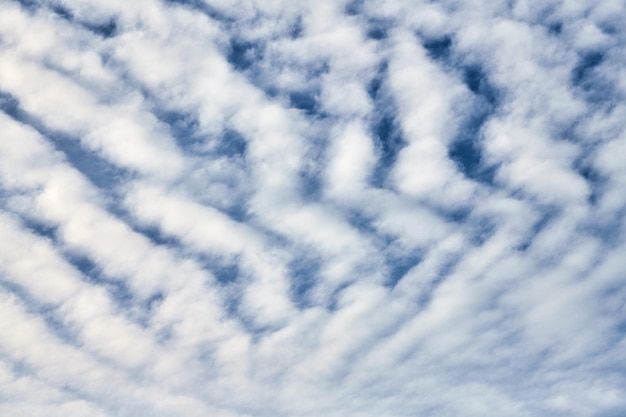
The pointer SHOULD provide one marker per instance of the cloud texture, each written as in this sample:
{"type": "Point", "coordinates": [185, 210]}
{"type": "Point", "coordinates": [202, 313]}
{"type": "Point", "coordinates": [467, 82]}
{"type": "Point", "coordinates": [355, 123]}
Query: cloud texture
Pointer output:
{"type": "Point", "coordinates": [314, 208]}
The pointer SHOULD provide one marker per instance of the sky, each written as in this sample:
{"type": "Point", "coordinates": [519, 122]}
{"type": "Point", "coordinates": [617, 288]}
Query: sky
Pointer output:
{"type": "Point", "coordinates": [253, 208]}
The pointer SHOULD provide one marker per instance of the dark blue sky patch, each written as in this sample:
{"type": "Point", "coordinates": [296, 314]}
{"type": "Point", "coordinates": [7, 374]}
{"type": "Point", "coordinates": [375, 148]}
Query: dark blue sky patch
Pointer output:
{"type": "Point", "coordinates": [311, 185]}
{"type": "Point", "coordinates": [304, 100]}
{"type": "Point", "coordinates": [10, 105]}
{"type": "Point", "coordinates": [296, 29]}
{"type": "Point", "coordinates": [95, 168]}
{"type": "Point", "coordinates": [467, 154]}
{"type": "Point", "coordinates": [120, 293]}
{"type": "Point", "coordinates": [585, 66]}
{"type": "Point", "coordinates": [46, 312]}
{"type": "Point", "coordinates": [377, 29]}
{"type": "Point", "coordinates": [30, 5]}
{"type": "Point", "coordinates": [466, 149]}
{"type": "Point", "coordinates": [202, 7]}
{"type": "Point", "coordinates": [398, 266]}
{"type": "Point", "coordinates": [555, 28]}
{"type": "Point", "coordinates": [547, 216]}
{"type": "Point", "coordinates": [354, 7]}
{"type": "Point", "coordinates": [302, 279]}
{"type": "Point", "coordinates": [232, 144]}
{"type": "Point", "coordinates": [225, 272]}
{"type": "Point", "coordinates": [243, 54]}
{"type": "Point", "coordinates": [238, 210]}
{"type": "Point", "coordinates": [445, 270]}
{"type": "Point", "coordinates": [60, 329]}
{"type": "Point", "coordinates": [39, 228]}
{"type": "Point", "coordinates": [376, 84]}
{"type": "Point", "coordinates": [607, 229]}
{"type": "Point", "coordinates": [438, 48]}
{"type": "Point", "coordinates": [99, 172]}
{"type": "Point", "coordinates": [117, 289]}
{"type": "Point", "coordinates": [377, 33]}
{"type": "Point", "coordinates": [83, 264]}
{"type": "Point", "coordinates": [458, 215]}
{"type": "Point", "coordinates": [592, 85]}
{"type": "Point", "coordinates": [155, 300]}
{"type": "Point", "coordinates": [62, 11]}
{"type": "Point", "coordinates": [182, 126]}
{"type": "Point", "coordinates": [480, 230]}
{"type": "Point", "coordinates": [389, 142]}
{"type": "Point", "coordinates": [610, 25]}
{"type": "Point", "coordinates": [92, 273]}
{"type": "Point", "coordinates": [333, 303]}
{"type": "Point", "coordinates": [361, 221]}
{"type": "Point", "coordinates": [384, 128]}
{"type": "Point", "coordinates": [151, 232]}
{"type": "Point", "coordinates": [105, 29]}
{"type": "Point", "coordinates": [593, 178]}
{"type": "Point", "coordinates": [310, 181]}
{"type": "Point", "coordinates": [477, 81]}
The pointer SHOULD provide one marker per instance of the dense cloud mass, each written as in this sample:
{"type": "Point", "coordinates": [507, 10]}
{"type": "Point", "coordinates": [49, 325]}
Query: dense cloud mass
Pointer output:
{"type": "Point", "coordinates": [332, 208]}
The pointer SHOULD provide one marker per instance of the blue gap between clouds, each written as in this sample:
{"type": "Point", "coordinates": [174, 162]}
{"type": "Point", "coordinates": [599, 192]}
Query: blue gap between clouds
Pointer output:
{"type": "Point", "coordinates": [592, 176]}
{"type": "Point", "coordinates": [378, 29]}
{"type": "Point", "coordinates": [389, 141]}
{"type": "Point", "coordinates": [39, 228]}
{"type": "Point", "coordinates": [126, 301]}
{"type": "Point", "coordinates": [302, 279]}
{"type": "Point", "coordinates": [203, 8]}
{"type": "Point", "coordinates": [585, 66]}
{"type": "Point", "coordinates": [397, 264]}
{"type": "Point", "coordinates": [591, 84]}
{"type": "Point", "coordinates": [400, 265]}
{"type": "Point", "coordinates": [297, 28]}
{"type": "Point", "coordinates": [306, 101]}
{"type": "Point", "coordinates": [446, 269]}
{"type": "Point", "coordinates": [243, 54]}
{"type": "Point", "coordinates": [182, 126]}
{"type": "Point", "coordinates": [92, 273]}
{"type": "Point", "coordinates": [90, 270]}
{"type": "Point", "coordinates": [226, 271]}
{"type": "Point", "coordinates": [96, 169]}
{"type": "Point", "coordinates": [353, 8]}
{"type": "Point", "coordinates": [385, 130]}
{"type": "Point", "coordinates": [310, 181]}
{"type": "Point", "coordinates": [438, 48]}
{"type": "Point", "coordinates": [466, 149]}
{"type": "Point", "coordinates": [547, 216]}
{"type": "Point", "coordinates": [333, 304]}
{"type": "Point", "coordinates": [106, 29]}
{"type": "Point", "coordinates": [30, 5]}
{"type": "Point", "coordinates": [35, 307]}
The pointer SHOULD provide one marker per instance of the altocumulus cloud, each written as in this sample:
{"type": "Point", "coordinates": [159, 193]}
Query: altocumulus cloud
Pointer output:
{"type": "Point", "coordinates": [312, 208]}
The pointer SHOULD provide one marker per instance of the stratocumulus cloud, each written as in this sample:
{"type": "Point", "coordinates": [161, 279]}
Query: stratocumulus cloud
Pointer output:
{"type": "Point", "coordinates": [312, 208]}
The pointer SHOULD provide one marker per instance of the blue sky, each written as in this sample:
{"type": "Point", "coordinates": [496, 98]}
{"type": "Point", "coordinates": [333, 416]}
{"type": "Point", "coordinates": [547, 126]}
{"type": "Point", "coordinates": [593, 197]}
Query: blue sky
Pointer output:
{"type": "Point", "coordinates": [315, 208]}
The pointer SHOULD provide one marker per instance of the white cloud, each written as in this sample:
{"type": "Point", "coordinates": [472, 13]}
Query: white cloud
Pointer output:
{"type": "Point", "coordinates": [312, 208]}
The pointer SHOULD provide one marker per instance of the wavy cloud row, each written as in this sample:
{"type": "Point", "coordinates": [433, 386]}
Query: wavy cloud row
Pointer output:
{"type": "Point", "coordinates": [337, 208]}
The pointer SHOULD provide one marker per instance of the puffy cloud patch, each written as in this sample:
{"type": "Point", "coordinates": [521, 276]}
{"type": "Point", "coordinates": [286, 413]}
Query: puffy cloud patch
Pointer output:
{"type": "Point", "coordinates": [345, 208]}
